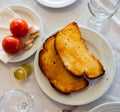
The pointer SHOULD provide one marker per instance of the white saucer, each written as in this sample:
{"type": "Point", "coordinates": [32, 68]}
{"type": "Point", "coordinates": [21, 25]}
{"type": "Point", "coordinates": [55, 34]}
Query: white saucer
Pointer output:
{"type": "Point", "coordinates": [107, 107]}
{"type": "Point", "coordinates": [33, 19]}
{"type": "Point", "coordinates": [56, 3]}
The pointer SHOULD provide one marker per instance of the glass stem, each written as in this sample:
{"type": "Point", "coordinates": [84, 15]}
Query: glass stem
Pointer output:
{"type": "Point", "coordinates": [99, 22]}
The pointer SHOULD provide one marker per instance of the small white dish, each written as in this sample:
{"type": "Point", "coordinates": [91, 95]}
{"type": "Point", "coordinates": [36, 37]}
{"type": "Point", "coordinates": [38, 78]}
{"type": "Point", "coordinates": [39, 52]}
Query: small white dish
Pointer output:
{"type": "Point", "coordinates": [34, 20]}
{"type": "Point", "coordinates": [56, 3]}
{"type": "Point", "coordinates": [97, 87]}
{"type": "Point", "coordinates": [107, 107]}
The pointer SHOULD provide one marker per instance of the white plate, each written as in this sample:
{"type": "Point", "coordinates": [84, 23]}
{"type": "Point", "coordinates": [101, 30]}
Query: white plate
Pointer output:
{"type": "Point", "coordinates": [56, 3]}
{"type": "Point", "coordinates": [107, 107]}
{"type": "Point", "coordinates": [33, 19]}
{"type": "Point", "coordinates": [102, 50]}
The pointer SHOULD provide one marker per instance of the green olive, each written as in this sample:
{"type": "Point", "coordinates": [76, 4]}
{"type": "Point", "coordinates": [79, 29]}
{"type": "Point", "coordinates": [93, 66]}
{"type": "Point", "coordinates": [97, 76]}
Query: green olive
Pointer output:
{"type": "Point", "coordinates": [28, 68]}
{"type": "Point", "coordinates": [20, 73]}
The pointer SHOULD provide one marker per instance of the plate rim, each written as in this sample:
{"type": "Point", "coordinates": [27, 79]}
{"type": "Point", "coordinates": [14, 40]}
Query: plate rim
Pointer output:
{"type": "Point", "coordinates": [68, 103]}
{"type": "Point", "coordinates": [42, 29]}
{"type": "Point", "coordinates": [52, 5]}
{"type": "Point", "coordinates": [104, 104]}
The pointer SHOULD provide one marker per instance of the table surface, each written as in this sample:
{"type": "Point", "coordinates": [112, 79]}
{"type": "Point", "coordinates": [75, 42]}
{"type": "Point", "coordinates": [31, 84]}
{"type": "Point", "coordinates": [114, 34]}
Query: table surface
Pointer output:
{"type": "Point", "coordinates": [53, 19]}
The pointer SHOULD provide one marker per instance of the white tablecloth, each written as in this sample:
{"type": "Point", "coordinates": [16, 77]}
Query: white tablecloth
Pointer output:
{"type": "Point", "coordinates": [52, 20]}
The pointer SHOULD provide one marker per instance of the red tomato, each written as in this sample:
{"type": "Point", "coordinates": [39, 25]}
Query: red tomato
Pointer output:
{"type": "Point", "coordinates": [11, 45]}
{"type": "Point", "coordinates": [19, 27]}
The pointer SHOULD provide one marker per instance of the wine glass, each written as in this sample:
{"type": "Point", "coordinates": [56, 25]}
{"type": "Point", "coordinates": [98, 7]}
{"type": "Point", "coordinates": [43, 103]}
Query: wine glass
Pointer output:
{"type": "Point", "coordinates": [101, 10]}
{"type": "Point", "coordinates": [20, 101]}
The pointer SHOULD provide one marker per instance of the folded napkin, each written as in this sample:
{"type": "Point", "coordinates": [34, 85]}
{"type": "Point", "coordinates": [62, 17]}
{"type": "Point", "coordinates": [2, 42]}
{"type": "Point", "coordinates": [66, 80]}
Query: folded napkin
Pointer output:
{"type": "Point", "coordinates": [6, 16]}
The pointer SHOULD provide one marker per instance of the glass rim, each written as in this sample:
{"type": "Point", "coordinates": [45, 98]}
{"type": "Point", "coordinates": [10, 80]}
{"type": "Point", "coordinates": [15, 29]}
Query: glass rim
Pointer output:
{"type": "Point", "coordinates": [115, 6]}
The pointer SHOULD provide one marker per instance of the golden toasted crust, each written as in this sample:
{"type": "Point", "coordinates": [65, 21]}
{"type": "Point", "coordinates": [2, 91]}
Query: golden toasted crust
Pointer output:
{"type": "Point", "coordinates": [75, 54]}
{"type": "Point", "coordinates": [52, 67]}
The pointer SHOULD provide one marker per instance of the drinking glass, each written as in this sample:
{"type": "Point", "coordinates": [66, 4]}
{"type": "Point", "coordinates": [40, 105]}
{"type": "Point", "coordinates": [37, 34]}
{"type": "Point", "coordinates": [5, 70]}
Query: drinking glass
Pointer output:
{"type": "Point", "coordinates": [101, 11]}
{"type": "Point", "coordinates": [20, 101]}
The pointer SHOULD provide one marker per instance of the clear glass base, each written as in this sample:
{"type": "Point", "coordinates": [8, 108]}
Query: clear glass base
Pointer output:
{"type": "Point", "coordinates": [20, 101]}
{"type": "Point", "coordinates": [99, 25]}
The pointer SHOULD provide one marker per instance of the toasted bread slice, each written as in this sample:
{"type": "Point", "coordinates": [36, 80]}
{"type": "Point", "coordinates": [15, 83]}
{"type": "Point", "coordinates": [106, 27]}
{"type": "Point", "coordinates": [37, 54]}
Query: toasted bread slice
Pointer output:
{"type": "Point", "coordinates": [75, 54]}
{"type": "Point", "coordinates": [52, 67]}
